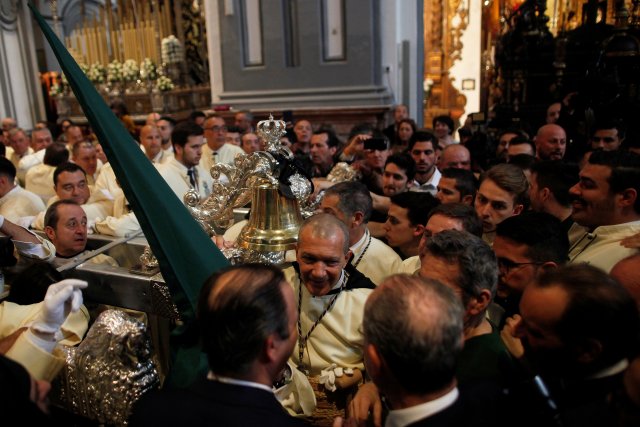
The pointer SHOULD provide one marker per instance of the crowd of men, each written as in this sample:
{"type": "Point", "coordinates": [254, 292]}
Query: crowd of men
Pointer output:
{"type": "Point", "coordinates": [447, 285]}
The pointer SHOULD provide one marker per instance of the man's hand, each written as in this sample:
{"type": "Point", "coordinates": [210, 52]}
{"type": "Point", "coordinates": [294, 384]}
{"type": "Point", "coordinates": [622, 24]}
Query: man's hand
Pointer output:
{"type": "Point", "coordinates": [508, 335]}
{"type": "Point", "coordinates": [366, 399]}
{"type": "Point", "coordinates": [61, 299]}
{"type": "Point", "coordinates": [631, 242]}
{"type": "Point", "coordinates": [355, 145]}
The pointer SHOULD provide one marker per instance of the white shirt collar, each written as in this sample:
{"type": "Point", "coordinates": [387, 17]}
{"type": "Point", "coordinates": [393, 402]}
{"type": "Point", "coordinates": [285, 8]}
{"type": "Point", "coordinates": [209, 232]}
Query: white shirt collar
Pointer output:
{"type": "Point", "coordinates": [227, 380]}
{"type": "Point", "coordinates": [406, 416]}
{"type": "Point", "coordinates": [609, 371]}
{"type": "Point", "coordinates": [360, 244]}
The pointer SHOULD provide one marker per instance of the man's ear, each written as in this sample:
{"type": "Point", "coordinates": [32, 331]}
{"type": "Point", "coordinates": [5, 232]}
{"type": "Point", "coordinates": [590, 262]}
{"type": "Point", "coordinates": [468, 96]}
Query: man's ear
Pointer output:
{"type": "Point", "coordinates": [467, 200]}
{"type": "Point", "coordinates": [50, 232]}
{"type": "Point", "coordinates": [271, 347]}
{"type": "Point", "coordinates": [545, 194]}
{"type": "Point", "coordinates": [347, 257]}
{"type": "Point", "coordinates": [373, 361]}
{"type": "Point", "coordinates": [549, 265]}
{"type": "Point", "coordinates": [358, 218]}
{"type": "Point", "coordinates": [419, 230]}
{"type": "Point", "coordinates": [628, 197]}
{"type": "Point", "coordinates": [478, 304]}
{"type": "Point", "coordinates": [517, 209]}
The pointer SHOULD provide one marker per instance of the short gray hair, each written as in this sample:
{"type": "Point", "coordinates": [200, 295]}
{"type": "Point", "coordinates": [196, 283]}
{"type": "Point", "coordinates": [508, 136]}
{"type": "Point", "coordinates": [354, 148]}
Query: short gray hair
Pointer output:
{"type": "Point", "coordinates": [325, 226]}
{"type": "Point", "coordinates": [416, 325]}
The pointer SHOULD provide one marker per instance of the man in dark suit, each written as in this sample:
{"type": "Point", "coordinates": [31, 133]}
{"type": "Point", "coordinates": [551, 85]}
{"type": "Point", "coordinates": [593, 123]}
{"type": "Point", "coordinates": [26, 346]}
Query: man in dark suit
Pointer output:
{"type": "Point", "coordinates": [248, 324]}
{"type": "Point", "coordinates": [413, 362]}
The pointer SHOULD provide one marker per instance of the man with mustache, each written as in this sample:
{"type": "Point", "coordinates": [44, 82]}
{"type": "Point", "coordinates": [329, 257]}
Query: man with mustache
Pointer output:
{"type": "Point", "coordinates": [606, 209]}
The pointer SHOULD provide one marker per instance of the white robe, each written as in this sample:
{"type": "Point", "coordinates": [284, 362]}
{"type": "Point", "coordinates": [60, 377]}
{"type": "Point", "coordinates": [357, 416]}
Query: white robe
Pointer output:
{"type": "Point", "coordinates": [601, 248]}
{"type": "Point", "coordinates": [338, 338]}
{"type": "Point", "coordinates": [19, 202]}
{"type": "Point", "coordinates": [175, 174]}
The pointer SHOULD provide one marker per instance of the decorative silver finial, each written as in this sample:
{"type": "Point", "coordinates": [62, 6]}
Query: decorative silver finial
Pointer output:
{"type": "Point", "coordinates": [271, 131]}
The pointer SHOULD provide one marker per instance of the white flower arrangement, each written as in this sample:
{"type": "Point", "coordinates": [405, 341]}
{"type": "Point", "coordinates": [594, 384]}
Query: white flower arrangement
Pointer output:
{"type": "Point", "coordinates": [83, 67]}
{"type": "Point", "coordinates": [164, 84]}
{"type": "Point", "coordinates": [148, 69]}
{"type": "Point", "coordinates": [96, 73]}
{"type": "Point", "coordinates": [130, 70]}
{"type": "Point", "coordinates": [114, 71]}
{"type": "Point", "coordinates": [171, 50]}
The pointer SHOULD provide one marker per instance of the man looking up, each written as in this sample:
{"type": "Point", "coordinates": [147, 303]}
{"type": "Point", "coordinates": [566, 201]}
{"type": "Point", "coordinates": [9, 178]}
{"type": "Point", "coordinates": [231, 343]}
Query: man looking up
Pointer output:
{"type": "Point", "coordinates": [245, 358]}
{"type": "Point", "coordinates": [551, 142]}
{"type": "Point", "coordinates": [183, 172]}
{"type": "Point", "coordinates": [606, 208]}
{"type": "Point", "coordinates": [422, 148]}
{"type": "Point", "coordinates": [503, 193]}
{"type": "Point", "coordinates": [350, 202]}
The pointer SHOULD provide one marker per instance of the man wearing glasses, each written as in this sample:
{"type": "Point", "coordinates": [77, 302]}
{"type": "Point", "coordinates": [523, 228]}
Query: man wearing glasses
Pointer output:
{"type": "Point", "coordinates": [526, 245]}
{"type": "Point", "coordinates": [216, 150]}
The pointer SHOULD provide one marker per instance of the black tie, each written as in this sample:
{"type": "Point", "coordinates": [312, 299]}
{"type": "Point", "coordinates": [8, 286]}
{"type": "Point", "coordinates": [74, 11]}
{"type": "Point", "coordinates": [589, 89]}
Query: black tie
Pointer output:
{"type": "Point", "coordinates": [192, 178]}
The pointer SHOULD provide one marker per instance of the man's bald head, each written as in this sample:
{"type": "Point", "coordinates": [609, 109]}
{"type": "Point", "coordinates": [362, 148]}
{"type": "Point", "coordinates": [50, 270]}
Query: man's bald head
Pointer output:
{"type": "Point", "coordinates": [456, 156]}
{"type": "Point", "coordinates": [551, 142]}
{"type": "Point", "coordinates": [325, 226]}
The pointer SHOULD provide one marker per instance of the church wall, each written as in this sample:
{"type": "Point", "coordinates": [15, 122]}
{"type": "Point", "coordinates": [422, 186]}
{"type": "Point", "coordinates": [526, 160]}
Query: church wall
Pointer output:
{"type": "Point", "coordinates": [295, 71]}
{"type": "Point", "coordinates": [20, 91]}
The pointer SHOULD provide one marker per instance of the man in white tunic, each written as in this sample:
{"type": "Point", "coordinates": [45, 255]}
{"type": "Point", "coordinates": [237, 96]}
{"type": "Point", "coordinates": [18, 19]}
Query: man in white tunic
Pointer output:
{"type": "Point", "coordinates": [606, 209]}
{"type": "Point", "coordinates": [183, 172]}
{"type": "Point", "coordinates": [330, 295]}
{"type": "Point", "coordinates": [351, 203]}
{"type": "Point", "coordinates": [15, 201]}
{"type": "Point", "coordinates": [216, 149]}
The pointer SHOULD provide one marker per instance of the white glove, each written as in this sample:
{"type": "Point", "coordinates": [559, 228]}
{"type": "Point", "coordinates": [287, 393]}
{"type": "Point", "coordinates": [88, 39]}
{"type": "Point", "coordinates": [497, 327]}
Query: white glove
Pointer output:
{"type": "Point", "coordinates": [61, 299]}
